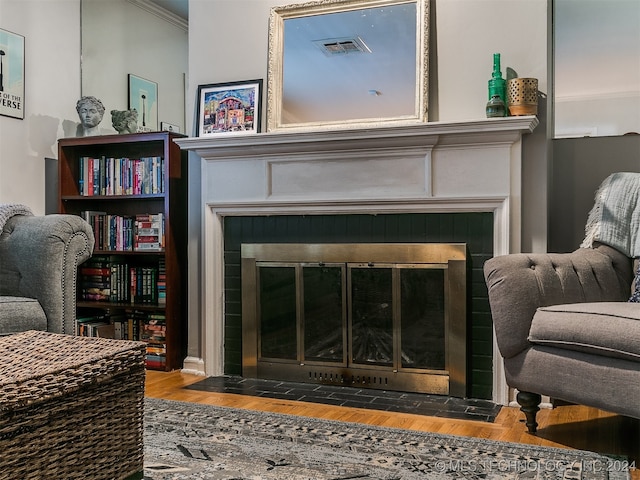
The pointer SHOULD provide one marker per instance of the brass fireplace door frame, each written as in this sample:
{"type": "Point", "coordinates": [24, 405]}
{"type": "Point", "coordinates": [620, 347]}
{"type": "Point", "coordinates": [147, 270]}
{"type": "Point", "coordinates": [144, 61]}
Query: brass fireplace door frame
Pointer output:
{"type": "Point", "coordinates": [451, 258]}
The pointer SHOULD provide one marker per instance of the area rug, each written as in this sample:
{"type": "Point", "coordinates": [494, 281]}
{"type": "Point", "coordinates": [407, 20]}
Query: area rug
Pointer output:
{"type": "Point", "coordinates": [191, 441]}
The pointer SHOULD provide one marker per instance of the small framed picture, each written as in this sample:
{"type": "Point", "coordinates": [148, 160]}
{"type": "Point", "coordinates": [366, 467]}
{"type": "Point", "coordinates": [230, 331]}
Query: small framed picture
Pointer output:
{"type": "Point", "coordinates": [232, 108]}
{"type": "Point", "coordinates": [169, 127]}
{"type": "Point", "coordinates": [143, 96]}
{"type": "Point", "coordinates": [11, 74]}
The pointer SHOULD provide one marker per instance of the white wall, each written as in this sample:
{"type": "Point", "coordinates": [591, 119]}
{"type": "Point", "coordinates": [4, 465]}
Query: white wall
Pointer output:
{"type": "Point", "coordinates": [119, 38]}
{"type": "Point", "coordinates": [597, 115]}
{"type": "Point", "coordinates": [469, 33]}
{"type": "Point", "coordinates": [52, 84]}
{"type": "Point", "coordinates": [52, 31]}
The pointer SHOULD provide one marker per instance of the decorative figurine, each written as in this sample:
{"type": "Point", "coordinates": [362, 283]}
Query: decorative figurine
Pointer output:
{"type": "Point", "coordinates": [125, 121]}
{"type": "Point", "coordinates": [90, 110]}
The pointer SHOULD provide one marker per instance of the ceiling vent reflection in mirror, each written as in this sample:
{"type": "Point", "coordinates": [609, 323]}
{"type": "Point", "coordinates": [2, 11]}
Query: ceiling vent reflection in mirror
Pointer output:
{"type": "Point", "coordinates": [342, 46]}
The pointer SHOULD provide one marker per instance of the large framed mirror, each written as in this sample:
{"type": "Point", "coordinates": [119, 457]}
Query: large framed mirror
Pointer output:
{"type": "Point", "coordinates": [348, 63]}
{"type": "Point", "coordinates": [596, 68]}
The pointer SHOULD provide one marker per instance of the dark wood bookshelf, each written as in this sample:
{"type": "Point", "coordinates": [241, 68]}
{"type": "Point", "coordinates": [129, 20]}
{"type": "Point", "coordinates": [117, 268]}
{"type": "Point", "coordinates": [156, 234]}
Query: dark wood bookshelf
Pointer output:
{"type": "Point", "coordinates": [118, 305]}
{"type": "Point", "coordinates": [172, 203]}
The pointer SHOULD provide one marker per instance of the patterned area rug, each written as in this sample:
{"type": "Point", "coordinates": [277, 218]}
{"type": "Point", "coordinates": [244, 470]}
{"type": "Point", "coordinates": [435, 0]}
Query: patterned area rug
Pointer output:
{"type": "Point", "coordinates": [191, 441]}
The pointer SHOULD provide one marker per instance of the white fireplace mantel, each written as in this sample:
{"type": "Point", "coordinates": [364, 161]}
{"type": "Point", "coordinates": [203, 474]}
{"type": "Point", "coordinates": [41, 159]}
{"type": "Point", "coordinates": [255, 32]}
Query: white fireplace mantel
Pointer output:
{"type": "Point", "coordinates": [472, 166]}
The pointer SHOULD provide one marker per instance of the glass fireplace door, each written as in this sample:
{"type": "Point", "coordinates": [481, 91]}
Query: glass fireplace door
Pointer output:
{"type": "Point", "coordinates": [369, 322]}
{"type": "Point", "coordinates": [389, 316]}
{"type": "Point", "coordinates": [324, 314]}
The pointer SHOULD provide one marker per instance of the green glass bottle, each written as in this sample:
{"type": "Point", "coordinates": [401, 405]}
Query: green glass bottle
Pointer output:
{"type": "Point", "coordinates": [497, 84]}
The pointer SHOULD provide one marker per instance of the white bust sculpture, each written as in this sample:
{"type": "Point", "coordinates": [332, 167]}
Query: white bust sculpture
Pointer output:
{"type": "Point", "coordinates": [90, 111]}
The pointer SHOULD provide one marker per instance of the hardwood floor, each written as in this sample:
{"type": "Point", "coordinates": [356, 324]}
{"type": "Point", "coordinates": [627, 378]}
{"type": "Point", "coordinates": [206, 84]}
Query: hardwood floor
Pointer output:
{"type": "Point", "coordinates": [571, 426]}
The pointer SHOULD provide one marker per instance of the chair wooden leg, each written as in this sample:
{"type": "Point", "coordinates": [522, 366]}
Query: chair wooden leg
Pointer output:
{"type": "Point", "coordinates": [530, 405]}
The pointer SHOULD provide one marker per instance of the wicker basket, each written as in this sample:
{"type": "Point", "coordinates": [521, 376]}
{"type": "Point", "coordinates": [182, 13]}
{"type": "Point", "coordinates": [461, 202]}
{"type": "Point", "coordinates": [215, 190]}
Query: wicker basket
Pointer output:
{"type": "Point", "coordinates": [522, 94]}
{"type": "Point", "coordinates": [70, 407]}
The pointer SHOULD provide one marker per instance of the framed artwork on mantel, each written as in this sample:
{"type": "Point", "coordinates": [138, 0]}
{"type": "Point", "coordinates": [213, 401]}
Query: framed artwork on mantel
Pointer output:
{"type": "Point", "coordinates": [11, 74]}
{"type": "Point", "coordinates": [232, 108]}
{"type": "Point", "coordinates": [143, 96]}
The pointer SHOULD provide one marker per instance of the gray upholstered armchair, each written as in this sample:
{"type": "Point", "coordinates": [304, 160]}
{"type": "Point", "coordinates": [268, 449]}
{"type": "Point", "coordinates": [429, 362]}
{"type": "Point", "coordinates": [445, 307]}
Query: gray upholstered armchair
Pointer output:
{"type": "Point", "coordinates": [563, 322]}
{"type": "Point", "coordinates": [39, 256]}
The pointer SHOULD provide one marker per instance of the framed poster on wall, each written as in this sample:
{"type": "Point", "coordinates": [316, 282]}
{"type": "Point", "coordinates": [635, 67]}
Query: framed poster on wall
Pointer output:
{"type": "Point", "coordinates": [143, 96]}
{"type": "Point", "coordinates": [11, 74]}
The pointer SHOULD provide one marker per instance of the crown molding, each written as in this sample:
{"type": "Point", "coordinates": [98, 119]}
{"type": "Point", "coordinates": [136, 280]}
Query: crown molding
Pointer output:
{"type": "Point", "coordinates": [162, 13]}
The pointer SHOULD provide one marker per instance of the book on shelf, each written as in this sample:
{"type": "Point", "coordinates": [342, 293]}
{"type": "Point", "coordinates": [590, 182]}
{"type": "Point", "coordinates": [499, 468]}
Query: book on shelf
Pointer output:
{"type": "Point", "coordinates": [111, 232]}
{"type": "Point", "coordinates": [156, 361]}
{"type": "Point", "coordinates": [107, 279]}
{"type": "Point", "coordinates": [161, 284]}
{"type": "Point", "coordinates": [143, 285]}
{"type": "Point", "coordinates": [149, 232]}
{"type": "Point", "coordinates": [153, 331]}
{"type": "Point", "coordinates": [89, 326]}
{"type": "Point", "coordinates": [95, 280]}
{"type": "Point", "coordinates": [144, 232]}
{"type": "Point", "coordinates": [131, 324]}
{"type": "Point", "coordinates": [120, 176]}
{"type": "Point", "coordinates": [126, 327]}
{"type": "Point", "coordinates": [154, 328]}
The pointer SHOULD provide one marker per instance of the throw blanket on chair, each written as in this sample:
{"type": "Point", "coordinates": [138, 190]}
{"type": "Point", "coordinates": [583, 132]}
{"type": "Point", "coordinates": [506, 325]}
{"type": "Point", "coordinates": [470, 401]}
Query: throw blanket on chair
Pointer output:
{"type": "Point", "coordinates": [615, 217]}
{"type": "Point", "coordinates": [8, 210]}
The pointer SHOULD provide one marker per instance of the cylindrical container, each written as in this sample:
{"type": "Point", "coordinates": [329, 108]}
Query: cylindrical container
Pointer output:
{"type": "Point", "coordinates": [522, 96]}
{"type": "Point", "coordinates": [495, 107]}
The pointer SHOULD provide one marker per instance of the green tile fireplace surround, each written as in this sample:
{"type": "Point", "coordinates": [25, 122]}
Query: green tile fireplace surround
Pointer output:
{"type": "Point", "coordinates": [474, 229]}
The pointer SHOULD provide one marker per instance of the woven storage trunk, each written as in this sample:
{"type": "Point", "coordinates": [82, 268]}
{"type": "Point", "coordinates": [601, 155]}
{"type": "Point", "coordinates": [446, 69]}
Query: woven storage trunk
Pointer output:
{"type": "Point", "coordinates": [70, 407]}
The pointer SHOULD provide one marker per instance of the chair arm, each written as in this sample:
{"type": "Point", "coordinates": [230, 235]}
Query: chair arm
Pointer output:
{"type": "Point", "coordinates": [39, 258]}
{"type": "Point", "coordinates": [520, 283]}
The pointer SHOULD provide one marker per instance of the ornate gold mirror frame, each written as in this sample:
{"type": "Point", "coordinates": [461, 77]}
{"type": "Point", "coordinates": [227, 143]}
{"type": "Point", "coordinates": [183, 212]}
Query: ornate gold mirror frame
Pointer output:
{"type": "Point", "coordinates": [348, 63]}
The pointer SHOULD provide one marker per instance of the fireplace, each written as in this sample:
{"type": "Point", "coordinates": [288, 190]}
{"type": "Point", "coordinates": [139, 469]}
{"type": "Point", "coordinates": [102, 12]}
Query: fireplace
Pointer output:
{"type": "Point", "coordinates": [385, 316]}
{"type": "Point", "coordinates": [437, 168]}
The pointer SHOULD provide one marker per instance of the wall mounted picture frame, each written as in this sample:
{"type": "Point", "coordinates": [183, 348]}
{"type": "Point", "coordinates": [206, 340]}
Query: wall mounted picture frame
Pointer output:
{"type": "Point", "coordinates": [169, 127]}
{"type": "Point", "coordinates": [232, 108]}
{"type": "Point", "coordinates": [143, 96]}
{"type": "Point", "coordinates": [11, 74]}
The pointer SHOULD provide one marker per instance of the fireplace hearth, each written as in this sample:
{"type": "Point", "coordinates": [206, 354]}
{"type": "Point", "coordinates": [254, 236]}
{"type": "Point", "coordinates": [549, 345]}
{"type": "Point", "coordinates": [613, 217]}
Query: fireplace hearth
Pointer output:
{"type": "Point", "coordinates": [384, 316]}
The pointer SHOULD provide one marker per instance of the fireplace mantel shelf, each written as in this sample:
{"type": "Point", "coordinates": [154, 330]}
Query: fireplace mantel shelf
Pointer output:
{"type": "Point", "coordinates": [432, 133]}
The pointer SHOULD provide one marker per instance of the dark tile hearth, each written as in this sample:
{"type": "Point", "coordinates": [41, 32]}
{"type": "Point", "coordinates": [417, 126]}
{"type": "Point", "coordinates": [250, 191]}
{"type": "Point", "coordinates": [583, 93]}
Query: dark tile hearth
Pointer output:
{"type": "Point", "coordinates": [414, 403]}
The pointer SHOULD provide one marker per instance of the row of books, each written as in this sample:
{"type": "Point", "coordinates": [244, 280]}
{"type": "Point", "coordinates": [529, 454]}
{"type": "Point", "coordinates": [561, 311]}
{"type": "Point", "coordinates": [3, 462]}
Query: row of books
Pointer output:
{"type": "Point", "coordinates": [131, 325]}
{"type": "Point", "coordinates": [121, 176]}
{"type": "Point", "coordinates": [144, 232]}
{"type": "Point", "coordinates": [107, 280]}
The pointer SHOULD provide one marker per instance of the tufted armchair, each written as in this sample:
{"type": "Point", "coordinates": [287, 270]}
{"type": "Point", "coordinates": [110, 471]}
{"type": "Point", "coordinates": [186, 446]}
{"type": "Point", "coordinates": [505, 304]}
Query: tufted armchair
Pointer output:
{"type": "Point", "coordinates": [564, 324]}
{"type": "Point", "coordinates": [39, 256]}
